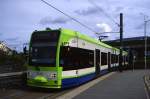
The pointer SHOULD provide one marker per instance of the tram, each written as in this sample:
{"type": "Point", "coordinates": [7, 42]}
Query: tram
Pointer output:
{"type": "Point", "coordinates": [65, 58]}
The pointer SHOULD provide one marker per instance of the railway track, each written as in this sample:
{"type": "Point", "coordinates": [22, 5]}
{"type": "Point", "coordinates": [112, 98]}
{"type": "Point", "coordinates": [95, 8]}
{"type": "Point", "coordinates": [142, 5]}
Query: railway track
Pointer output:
{"type": "Point", "coordinates": [14, 79]}
{"type": "Point", "coordinates": [38, 93]}
{"type": "Point", "coordinates": [28, 93]}
{"type": "Point", "coordinates": [24, 92]}
{"type": "Point", "coordinates": [12, 86]}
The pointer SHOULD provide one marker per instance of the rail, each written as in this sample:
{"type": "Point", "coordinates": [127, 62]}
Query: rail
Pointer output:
{"type": "Point", "coordinates": [12, 74]}
{"type": "Point", "coordinates": [14, 79]}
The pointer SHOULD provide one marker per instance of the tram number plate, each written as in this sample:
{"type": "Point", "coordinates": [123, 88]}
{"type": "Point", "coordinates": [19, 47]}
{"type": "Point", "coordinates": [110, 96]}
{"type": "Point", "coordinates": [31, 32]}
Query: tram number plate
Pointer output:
{"type": "Point", "coordinates": [65, 43]}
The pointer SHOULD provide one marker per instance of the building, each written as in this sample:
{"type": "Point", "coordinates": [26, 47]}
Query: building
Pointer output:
{"type": "Point", "coordinates": [4, 49]}
{"type": "Point", "coordinates": [137, 46]}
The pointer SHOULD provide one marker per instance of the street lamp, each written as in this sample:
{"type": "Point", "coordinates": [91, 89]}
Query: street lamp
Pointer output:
{"type": "Point", "coordinates": [145, 38]}
{"type": "Point", "coordinates": [145, 54]}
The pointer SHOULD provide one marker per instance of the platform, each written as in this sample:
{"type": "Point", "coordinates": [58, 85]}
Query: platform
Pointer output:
{"type": "Point", "coordinates": [120, 85]}
{"type": "Point", "coordinates": [11, 74]}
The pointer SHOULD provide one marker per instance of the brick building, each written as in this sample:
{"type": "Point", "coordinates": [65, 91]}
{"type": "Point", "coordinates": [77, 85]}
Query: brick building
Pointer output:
{"type": "Point", "coordinates": [137, 46]}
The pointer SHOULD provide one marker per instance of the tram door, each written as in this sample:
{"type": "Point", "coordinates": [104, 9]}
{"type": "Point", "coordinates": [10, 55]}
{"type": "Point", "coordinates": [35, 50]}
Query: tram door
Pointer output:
{"type": "Point", "coordinates": [109, 61]}
{"type": "Point", "coordinates": [97, 61]}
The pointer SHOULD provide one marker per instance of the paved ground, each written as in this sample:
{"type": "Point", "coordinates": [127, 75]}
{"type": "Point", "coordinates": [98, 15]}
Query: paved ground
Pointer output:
{"type": "Point", "coordinates": [125, 85]}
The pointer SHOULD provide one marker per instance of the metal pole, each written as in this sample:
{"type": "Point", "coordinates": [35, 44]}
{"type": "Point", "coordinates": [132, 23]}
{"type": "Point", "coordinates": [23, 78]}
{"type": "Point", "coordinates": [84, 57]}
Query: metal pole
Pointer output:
{"type": "Point", "coordinates": [121, 43]}
{"type": "Point", "coordinates": [145, 52]}
{"type": "Point", "coordinates": [145, 40]}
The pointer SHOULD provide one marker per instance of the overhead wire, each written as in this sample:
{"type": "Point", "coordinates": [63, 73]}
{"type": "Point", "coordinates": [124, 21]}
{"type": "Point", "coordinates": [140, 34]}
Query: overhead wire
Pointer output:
{"type": "Point", "coordinates": [72, 18]}
{"type": "Point", "coordinates": [101, 10]}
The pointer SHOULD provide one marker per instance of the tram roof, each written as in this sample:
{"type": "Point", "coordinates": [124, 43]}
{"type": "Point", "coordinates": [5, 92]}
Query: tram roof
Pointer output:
{"type": "Point", "coordinates": [81, 36]}
{"type": "Point", "coordinates": [85, 37]}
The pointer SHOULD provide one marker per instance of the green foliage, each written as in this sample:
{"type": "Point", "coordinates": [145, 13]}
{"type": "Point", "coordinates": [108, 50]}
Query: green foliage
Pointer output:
{"type": "Point", "coordinates": [16, 59]}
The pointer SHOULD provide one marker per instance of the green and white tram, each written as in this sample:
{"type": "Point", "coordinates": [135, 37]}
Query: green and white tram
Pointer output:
{"type": "Point", "coordinates": [64, 58]}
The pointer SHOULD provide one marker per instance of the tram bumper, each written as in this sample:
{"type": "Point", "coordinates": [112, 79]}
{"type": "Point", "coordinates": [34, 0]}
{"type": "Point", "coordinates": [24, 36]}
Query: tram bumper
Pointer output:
{"type": "Point", "coordinates": [43, 83]}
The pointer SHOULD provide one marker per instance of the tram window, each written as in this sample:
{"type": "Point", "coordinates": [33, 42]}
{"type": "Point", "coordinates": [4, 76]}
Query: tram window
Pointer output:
{"type": "Point", "coordinates": [44, 56]}
{"type": "Point", "coordinates": [124, 59]}
{"type": "Point", "coordinates": [116, 58]}
{"type": "Point", "coordinates": [45, 36]}
{"type": "Point", "coordinates": [113, 58]}
{"type": "Point", "coordinates": [127, 58]}
{"type": "Point", "coordinates": [76, 58]}
{"type": "Point", "coordinates": [103, 58]}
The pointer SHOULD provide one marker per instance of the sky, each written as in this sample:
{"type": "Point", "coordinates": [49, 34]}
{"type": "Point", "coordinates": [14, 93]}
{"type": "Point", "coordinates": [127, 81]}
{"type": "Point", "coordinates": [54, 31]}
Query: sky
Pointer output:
{"type": "Point", "coordinates": [19, 18]}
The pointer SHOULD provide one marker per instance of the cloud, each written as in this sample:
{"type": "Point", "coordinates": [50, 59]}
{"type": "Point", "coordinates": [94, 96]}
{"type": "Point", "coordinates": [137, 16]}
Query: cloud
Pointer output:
{"type": "Point", "coordinates": [104, 27]}
{"type": "Point", "coordinates": [67, 0]}
{"type": "Point", "coordinates": [25, 16]}
{"type": "Point", "coordinates": [58, 20]}
{"type": "Point", "coordinates": [119, 9]}
{"type": "Point", "coordinates": [12, 39]}
{"type": "Point", "coordinates": [97, 10]}
{"type": "Point", "coordinates": [141, 26]}
{"type": "Point", "coordinates": [88, 11]}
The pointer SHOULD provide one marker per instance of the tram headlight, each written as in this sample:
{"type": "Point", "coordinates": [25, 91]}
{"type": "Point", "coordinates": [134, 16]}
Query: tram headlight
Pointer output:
{"type": "Point", "coordinates": [48, 75]}
{"type": "Point", "coordinates": [53, 75]}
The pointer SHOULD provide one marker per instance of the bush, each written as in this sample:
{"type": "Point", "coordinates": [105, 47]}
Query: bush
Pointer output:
{"type": "Point", "coordinates": [15, 59]}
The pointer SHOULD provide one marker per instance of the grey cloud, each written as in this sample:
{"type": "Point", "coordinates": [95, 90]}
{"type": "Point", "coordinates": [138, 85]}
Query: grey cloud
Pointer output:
{"type": "Point", "coordinates": [98, 29]}
{"type": "Point", "coordinates": [12, 39]}
{"type": "Point", "coordinates": [141, 26]}
{"type": "Point", "coordinates": [58, 20]}
{"type": "Point", "coordinates": [88, 11]}
{"type": "Point", "coordinates": [118, 9]}
{"type": "Point", "coordinates": [67, 0]}
{"type": "Point", "coordinates": [93, 10]}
